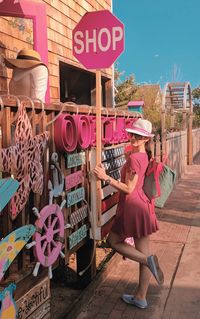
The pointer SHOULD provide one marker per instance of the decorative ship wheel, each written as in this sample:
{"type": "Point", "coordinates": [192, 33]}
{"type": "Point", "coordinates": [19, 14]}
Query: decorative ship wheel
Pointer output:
{"type": "Point", "coordinates": [49, 236]}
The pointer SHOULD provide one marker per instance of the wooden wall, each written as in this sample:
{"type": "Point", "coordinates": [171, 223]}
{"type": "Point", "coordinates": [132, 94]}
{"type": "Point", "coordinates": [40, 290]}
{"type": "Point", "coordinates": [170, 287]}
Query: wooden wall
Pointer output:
{"type": "Point", "coordinates": [62, 17]}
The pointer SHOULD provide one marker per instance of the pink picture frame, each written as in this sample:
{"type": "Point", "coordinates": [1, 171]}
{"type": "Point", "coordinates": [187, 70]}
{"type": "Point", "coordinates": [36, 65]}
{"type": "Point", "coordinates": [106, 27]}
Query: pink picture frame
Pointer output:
{"type": "Point", "coordinates": [37, 12]}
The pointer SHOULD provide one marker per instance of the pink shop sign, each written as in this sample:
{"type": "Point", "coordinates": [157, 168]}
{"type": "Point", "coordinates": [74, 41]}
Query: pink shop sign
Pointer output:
{"type": "Point", "coordinates": [98, 39]}
{"type": "Point", "coordinates": [73, 180]}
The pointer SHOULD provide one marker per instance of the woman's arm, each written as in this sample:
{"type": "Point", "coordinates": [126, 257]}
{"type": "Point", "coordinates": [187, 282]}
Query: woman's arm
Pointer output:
{"type": "Point", "coordinates": [127, 187]}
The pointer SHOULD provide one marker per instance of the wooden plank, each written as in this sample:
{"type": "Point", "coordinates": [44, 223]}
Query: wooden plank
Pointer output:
{"type": "Point", "coordinates": [109, 202]}
{"type": "Point", "coordinates": [105, 229]}
{"type": "Point", "coordinates": [108, 215]}
{"type": "Point", "coordinates": [33, 299]}
{"type": "Point", "coordinates": [107, 190]}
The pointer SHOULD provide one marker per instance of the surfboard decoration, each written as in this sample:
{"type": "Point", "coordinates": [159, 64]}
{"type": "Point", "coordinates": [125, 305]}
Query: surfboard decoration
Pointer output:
{"type": "Point", "coordinates": [11, 245]}
{"type": "Point", "coordinates": [55, 186]}
{"type": "Point", "coordinates": [8, 305]}
{"type": "Point", "coordinates": [8, 187]}
{"type": "Point", "coordinates": [49, 237]}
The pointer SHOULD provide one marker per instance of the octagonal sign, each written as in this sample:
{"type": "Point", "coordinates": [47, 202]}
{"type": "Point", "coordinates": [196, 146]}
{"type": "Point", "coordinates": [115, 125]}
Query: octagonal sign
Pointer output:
{"type": "Point", "coordinates": [98, 39]}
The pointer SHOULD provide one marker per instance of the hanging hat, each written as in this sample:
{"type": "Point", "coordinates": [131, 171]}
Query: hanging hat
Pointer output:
{"type": "Point", "coordinates": [26, 59]}
{"type": "Point", "coordinates": [141, 127]}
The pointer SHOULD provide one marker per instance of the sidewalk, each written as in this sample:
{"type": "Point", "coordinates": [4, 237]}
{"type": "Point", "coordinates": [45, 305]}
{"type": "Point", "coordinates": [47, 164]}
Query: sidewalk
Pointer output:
{"type": "Point", "coordinates": [177, 245]}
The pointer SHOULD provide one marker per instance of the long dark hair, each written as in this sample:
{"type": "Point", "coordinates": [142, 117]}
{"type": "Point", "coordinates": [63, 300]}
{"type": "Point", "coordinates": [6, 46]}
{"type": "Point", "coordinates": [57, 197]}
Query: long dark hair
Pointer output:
{"type": "Point", "coordinates": [148, 150]}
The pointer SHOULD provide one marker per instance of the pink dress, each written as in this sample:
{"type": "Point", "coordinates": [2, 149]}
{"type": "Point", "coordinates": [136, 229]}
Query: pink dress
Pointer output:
{"type": "Point", "coordinates": [135, 215]}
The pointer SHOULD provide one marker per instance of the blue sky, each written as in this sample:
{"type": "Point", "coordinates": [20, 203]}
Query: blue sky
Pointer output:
{"type": "Point", "coordinates": [162, 40]}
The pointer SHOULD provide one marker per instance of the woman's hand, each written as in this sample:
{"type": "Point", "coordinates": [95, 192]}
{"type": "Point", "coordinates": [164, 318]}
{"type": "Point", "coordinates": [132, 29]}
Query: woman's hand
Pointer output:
{"type": "Point", "coordinates": [100, 172]}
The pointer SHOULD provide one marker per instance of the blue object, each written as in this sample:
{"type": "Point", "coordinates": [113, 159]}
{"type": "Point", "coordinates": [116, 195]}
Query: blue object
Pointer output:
{"type": "Point", "coordinates": [8, 187]}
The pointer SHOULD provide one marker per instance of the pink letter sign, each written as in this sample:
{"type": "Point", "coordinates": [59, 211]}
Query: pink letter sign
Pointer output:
{"type": "Point", "coordinates": [37, 12]}
{"type": "Point", "coordinates": [73, 180]}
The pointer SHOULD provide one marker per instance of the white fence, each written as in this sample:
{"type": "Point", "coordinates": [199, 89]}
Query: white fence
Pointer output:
{"type": "Point", "coordinates": [177, 151]}
{"type": "Point", "coordinates": [196, 142]}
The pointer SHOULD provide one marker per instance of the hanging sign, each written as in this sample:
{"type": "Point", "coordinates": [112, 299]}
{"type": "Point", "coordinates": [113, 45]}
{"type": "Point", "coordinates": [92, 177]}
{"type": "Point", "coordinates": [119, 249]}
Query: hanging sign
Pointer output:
{"type": "Point", "coordinates": [98, 39]}
{"type": "Point", "coordinates": [75, 196]}
{"type": "Point", "coordinates": [78, 215]}
{"type": "Point", "coordinates": [77, 236]}
{"type": "Point", "coordinates": [73, 179]}
{"type": "Point", "coordinates": [76, 159]}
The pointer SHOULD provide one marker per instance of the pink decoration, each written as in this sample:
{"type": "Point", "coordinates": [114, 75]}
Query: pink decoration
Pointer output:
{"type": "Point", "coordinates": [65, 133]}
{"type": "Point", "coordinates": [108, 130]}
{"type": "Point", "coordinates": [84, 130]}
{"type": "Point", "coordinates": [37, 12]}
{"type": "Point", "coordinates": [72, 131]}
{"type": "Point", "coordinates": [73, 179]}
{"type": "Point", "coordinates": [50, 235]}
{"type": "Point", "coordinates": [93, 130]}
{"type": "Point", "coordinates": [98, 39]}
{"type": "Point", "coordinates": [24, 161]}
{"type": "Point", "coordinates": [120, 134]}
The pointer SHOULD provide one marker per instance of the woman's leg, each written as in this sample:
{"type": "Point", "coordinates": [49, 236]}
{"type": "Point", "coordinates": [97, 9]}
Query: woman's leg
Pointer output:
{"type": "Point", "coordinates": [126, 250]}
{"type": "Point", "coordinates": [143, 245]}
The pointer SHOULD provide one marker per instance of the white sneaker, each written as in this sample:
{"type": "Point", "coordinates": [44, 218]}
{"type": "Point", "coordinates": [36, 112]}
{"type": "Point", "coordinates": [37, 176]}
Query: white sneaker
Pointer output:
{"type": "Point", "coordinates": [130, 299]}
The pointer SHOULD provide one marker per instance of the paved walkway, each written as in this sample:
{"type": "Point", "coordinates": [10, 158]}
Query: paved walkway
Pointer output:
{"type": "Point", "coordinates": [178, 246]}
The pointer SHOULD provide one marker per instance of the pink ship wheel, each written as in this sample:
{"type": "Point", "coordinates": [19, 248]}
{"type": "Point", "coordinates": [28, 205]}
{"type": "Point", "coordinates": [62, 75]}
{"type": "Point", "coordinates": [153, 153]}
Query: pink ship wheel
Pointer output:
{"type": "Point", "coordinates": [49, 236]}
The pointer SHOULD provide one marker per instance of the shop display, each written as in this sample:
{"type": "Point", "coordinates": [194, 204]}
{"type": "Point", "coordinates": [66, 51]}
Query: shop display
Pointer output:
{"type": "Point", "coordinates": [12, 244]}
{"type": "Point", "coordinates": [30, 74]}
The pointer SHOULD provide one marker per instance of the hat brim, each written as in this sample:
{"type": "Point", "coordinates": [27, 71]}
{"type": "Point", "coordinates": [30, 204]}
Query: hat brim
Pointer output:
{"type": "Point", "coordinates": [22, 63]}
{"type": "Point", "coordinates": [135, 131]}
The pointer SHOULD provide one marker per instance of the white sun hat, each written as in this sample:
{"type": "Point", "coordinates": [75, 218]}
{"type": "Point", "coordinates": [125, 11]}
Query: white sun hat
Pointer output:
{"type": "Point", "coordinates": [141, 127]}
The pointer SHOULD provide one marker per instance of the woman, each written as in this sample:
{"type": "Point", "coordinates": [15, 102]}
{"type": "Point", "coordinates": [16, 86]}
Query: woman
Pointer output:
{"type": "Point", "coordinates": [135, 215]}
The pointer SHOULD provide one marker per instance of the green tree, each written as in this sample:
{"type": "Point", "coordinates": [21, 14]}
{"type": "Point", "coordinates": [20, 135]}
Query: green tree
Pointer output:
{"type": "Point", "coordinates": [125, 89]}
{"type": "Point", "coordinates": [196, 108]}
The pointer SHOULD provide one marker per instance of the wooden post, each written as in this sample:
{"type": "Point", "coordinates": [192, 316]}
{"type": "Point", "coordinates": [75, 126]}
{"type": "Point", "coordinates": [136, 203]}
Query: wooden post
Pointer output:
{"type": "Point", "coordinates": [98, 141]}
{"type": "Point", "coordinates": [190, 139]}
